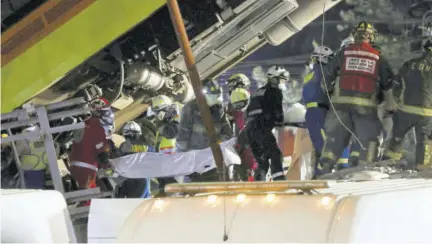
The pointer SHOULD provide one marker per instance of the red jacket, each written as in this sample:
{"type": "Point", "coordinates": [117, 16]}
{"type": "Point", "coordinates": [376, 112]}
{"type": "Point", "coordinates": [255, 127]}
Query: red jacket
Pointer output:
{"type": "Point", "coordinates": [90, 143]}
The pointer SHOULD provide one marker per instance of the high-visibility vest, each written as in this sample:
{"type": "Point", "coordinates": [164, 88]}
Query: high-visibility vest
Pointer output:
{"type": "Point", "coordinates": [37, 158]}
{"type": "Point", "coordinates": [359, 75]}
{"type": "Point", "coordinates": [167, 146]}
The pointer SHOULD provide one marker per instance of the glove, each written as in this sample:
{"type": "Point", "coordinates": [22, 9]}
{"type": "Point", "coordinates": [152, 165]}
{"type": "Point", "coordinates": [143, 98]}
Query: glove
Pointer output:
{"type": "Point", "coordinates": [390, 106]}
{"type": "Point", "coordinates": [105, 173]}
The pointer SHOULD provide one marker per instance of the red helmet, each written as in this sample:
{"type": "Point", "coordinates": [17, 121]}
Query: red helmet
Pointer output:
{"type": "Point", "coordinates": [100, 103]}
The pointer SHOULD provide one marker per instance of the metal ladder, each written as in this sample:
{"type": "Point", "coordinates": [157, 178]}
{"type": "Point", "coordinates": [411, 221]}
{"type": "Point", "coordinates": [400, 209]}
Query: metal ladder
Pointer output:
{"type": "Point", "coordinates": [42, 115]}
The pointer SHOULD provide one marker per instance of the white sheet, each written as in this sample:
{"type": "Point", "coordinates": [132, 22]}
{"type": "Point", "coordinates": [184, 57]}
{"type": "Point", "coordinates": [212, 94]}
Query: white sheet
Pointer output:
{"type": "Point", "coordinates": [154, 165]}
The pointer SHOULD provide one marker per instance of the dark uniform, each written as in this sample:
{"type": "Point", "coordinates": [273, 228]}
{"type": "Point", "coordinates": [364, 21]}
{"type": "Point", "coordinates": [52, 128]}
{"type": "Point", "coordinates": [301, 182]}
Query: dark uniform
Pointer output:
{"type": "Point", "coordinates": [364, 73]}
{"type": "Point", "coordinates": [262, 115]}
{"type": "Point", "coordinates": [134, 188]}
{"type": "Point", "coordinates": [415, 108]}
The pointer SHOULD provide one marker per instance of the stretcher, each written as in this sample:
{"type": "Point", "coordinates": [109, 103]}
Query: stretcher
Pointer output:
{"type": "Point", "coordinates": [159, 165]}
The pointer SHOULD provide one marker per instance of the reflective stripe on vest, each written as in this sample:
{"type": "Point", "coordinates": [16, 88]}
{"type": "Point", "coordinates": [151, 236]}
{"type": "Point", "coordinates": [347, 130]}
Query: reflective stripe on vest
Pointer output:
{"type": "Point", "coordinates": [362, 53]}
{"type": "Point", "coordinates": [354, 101]}
{"type": "Point", "coordinates": [416, 110]}
{"type": "Point", "coordinates": [312, 105]}
{"type": "Point", "coordinates": [136, 148]}
{"type": "Point", "coordinates": [167, 145]}
{"type": "Point", "coordinates": [200, 128]}
{"type": "Point", "coordinates": [84, 165]}
{"type": "Point", "coordinates": [36, 159]}
{"type": "Point", "coordinates": [255, 112]}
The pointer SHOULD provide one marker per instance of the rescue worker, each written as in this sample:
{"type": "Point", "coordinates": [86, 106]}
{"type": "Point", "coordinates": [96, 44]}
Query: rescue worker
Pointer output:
{"type": "Point", "coordinates": [192, 134]}
{"type": "Point", "coordinates": [90, 149]}
{"type": "Point", "coordinates": [235, 115]}
{"type": "Point", "coordinates": [133, 188]}
{"type": "Point", "coordinates": [34, 161]}
{"type": "Point", "coordinates": [238, 91]}
{"type": "Point", "coordinates": [166, 117]}
{"type": "Point", "coordinates": [415, 108]}
{"type": "Point", "coordinates": [384, 118]}
{"type": "Point", "coordinates": [262, 115]}
{"type": "Point", "coordinates": [364, 73]}
{"type": "Point", "coordinates": [239, 100]}
{"type": "Point", "coordinates": [317, 104]}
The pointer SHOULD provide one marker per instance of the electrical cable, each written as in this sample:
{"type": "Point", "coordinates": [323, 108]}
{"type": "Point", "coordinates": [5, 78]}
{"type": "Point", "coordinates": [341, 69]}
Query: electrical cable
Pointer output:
{"type": "Point", "coordinates": [122, 79]}
{"type": "Point", "coordinates": [325, 85]}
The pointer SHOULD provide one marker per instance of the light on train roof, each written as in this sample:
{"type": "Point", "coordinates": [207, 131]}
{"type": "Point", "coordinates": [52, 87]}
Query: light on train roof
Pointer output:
{"type": "Point", "coordinates": [212, 200]}
{"type": "Point", "coordinates": [241, 199]}
{"type": "Point", "coordinates": [270, 198]}
{"type": "Point", "coordinates": [326, 202]}
{"type": "Point", "coordinates": [159, 205]}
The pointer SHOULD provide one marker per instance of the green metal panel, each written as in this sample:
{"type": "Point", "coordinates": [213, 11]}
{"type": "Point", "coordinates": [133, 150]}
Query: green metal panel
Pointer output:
{"type": "Point", "coordinates": [64, 49]}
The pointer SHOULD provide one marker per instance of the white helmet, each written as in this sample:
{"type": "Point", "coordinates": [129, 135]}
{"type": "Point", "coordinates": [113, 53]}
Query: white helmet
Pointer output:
{"type": "Point", "coordinates": [322, 54]}
{"type": "Point", "coordinates": [132, 128]}
{"type": "Point", "coordinates": [281, 75]}
{"type": "Point", "coordinates": [347, 41]}
{"type": "Point", "coordinates": [277, 71]}
{"type": "Point", "coordinates": [160, 102]}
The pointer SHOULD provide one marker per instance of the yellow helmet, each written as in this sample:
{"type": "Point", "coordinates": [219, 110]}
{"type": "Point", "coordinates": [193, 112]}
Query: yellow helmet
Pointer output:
{"type": "Point", "coordinates": [240, 98]}
{"type": "Point", "coordinates": [363, 31]}
{"type": "Point", "coordinates": [238, 81]}
{"type": "Point", "coordinates": [4, 135]}
{"type": "Point", "coordinates": [160, 102]}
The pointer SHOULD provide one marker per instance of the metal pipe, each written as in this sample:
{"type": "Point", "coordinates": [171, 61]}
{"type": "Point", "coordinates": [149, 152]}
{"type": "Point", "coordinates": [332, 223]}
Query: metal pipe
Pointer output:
{"type": "Point", "coordinates": [54, 116]}
{"type": "Point", "coordinates": [17, 161]}
{"type": "Point", "coordinates": [50, 149]}
{"type": "Point", "coordinates": [245, 186]}
{"type": "Point", "coordinates": [183, 40]}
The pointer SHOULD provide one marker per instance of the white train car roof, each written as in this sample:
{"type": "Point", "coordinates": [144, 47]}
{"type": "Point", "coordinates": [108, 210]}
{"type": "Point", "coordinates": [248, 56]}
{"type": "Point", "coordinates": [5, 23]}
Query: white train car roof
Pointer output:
{"type": "Point", "coordinates": [385, 211]}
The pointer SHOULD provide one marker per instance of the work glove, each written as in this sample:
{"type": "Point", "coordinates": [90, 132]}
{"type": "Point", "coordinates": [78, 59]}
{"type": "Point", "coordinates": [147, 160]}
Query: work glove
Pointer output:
{"type": "Point", "coordinates": [390, 106]}
{"type": "Point", "coordinates": [106, 173]}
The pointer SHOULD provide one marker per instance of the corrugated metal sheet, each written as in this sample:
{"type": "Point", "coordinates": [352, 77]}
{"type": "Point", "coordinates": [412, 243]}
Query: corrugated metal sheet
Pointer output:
{"type": "Point", "coordinates": [373, 187]}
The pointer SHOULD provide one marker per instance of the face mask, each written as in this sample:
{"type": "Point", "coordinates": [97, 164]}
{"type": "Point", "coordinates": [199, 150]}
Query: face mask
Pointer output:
{"type": "Point", "coordinates": [282, 86]}
{"type": "Point", "coordinates": [213, 99]}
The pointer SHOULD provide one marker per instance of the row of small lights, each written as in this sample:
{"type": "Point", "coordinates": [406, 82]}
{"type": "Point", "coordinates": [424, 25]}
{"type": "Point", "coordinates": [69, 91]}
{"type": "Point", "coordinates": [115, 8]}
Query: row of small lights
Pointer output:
{"type": "Point", "coordinates": [241, 199]}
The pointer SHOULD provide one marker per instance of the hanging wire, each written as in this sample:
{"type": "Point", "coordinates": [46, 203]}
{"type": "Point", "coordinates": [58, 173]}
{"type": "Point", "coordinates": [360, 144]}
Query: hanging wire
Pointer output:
{"type": "Point", "coordinates": [325, 84]}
